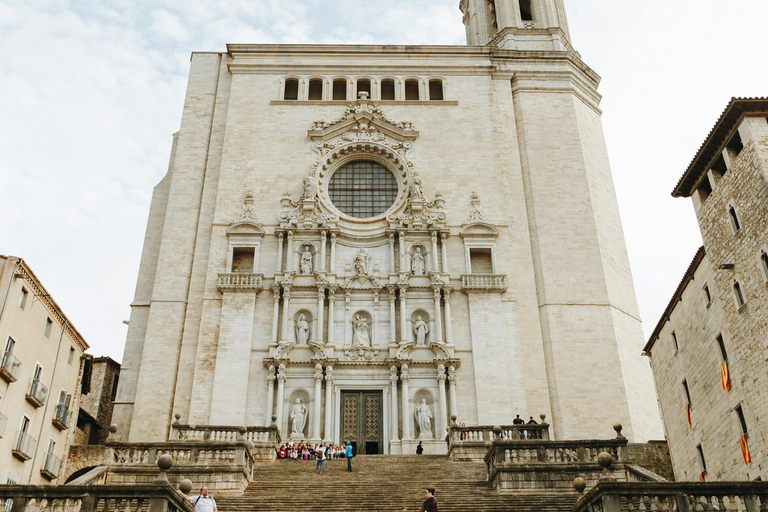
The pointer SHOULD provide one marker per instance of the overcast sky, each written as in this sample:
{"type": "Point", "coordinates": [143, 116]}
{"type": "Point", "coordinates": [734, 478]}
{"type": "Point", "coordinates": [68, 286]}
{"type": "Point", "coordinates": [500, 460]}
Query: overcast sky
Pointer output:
{"type": "Point", "coordinates": [91, 91]}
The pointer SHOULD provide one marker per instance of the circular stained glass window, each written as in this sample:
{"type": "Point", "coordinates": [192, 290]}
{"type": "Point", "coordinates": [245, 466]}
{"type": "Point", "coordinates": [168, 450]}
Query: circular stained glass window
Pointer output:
{"type": "Point", "coordinates": [363, 189]}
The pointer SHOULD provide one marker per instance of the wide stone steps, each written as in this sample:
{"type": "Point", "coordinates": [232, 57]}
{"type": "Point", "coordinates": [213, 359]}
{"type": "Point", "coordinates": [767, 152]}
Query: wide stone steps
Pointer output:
{"type": "Point", "coordinates": [382, 483]}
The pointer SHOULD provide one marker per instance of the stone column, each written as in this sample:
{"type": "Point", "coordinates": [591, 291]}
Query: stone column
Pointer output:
{"type": "Point", "coordinates": [328, 402]}
{"type": "Point", "coordinates": [447, 300]}
{"type": "Point", "coordinates": [331, 313]}
{"type": "Point", "coordinates": [333, 252]}
{"type": "Point", "coordinates": [320, 304]}
{"type": "Point", "coordinates": [323, 242]}
{"type": "Point", "coordinates": [392, 252]}
{"type": "Point", "coordinates": [444, 250]}
{"type": "Point", "coordinates": [441, 425]}
{"type": "Point", "coordinates": [286, 303]}
{"type": "Point", "coordinates": [276, 314]}
{"type": "Point", "coordinates": [401, 239]}
{"type": "Point", "coordinates": [435, 261]}
{"type": "Point", "coordinates": [375, 331]}
{"type": "Point", "coordinates": [279, 263]}
{"type": "Point", "coordinates": [392, 319]}
{"type": "Point", "coordinates": [452, 390]}
{"type": "Point", "coordinates": [289, 264]}
{"type": "Point", "coordinates": [280, 396]}
{"type": "Point", "coordinates": [438, 316]}
{"type": "Point", "coordinates": [406, 405]}
{"type": "Point", "coordinates": [403, 317]}
{"type": "Point", "coordinates": [393, 393]}
{"type": "Point", "coordinates": [347, 304]}
{"type": "Point", "coordinates": [317, 401]}
{"type": "Point", "coordinates": [270, 395]}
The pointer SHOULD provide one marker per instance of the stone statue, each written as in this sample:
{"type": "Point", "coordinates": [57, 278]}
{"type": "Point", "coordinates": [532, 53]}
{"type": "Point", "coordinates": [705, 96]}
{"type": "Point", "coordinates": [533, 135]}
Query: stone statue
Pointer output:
{"type": "Point", "coordinates": [309, 188]}
{"type": "Point", "coordinates": [418, 267]}
{"type": "Point", "coordinates": [416, 192]}
{"type": "Point", "coordinates": [361, 262]}
{"type": "Point", "coordinates": [360, 335]}
{"type": "Point", "coordinates": [302, 330]}
{"type": "Point", "coordinates": [306, 261]}
{"type": "Point", "coordinates": [423, 416]}
{"type": "Point", "coordinates": [421, 329]}
{"type": "Point", "coordinates": [298, 418]}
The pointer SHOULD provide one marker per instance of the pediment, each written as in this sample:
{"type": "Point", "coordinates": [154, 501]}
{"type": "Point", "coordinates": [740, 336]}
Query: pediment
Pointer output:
{"type": "Point", "coordinates": [245, 228]}
{"type": "Point", "coordinates": [363, 121]}
{"type": "Point", "coordinates": [479, 230]}
{"type": "Point", "coordinates": [362, 282]}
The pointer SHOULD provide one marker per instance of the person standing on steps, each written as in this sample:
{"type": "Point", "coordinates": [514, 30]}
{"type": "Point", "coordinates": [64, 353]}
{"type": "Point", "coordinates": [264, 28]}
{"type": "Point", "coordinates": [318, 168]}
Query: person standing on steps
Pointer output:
{"type": "Point", "coordinates": [202, 503]}
{"type": "Point", "coordinates": [348, 455]}
{"type": "Point", "coordinates": [419, 449]}
{"type": "Point", "coordinates": [320, 454]}
{"type": "Point", "coordinates": [430, 504]}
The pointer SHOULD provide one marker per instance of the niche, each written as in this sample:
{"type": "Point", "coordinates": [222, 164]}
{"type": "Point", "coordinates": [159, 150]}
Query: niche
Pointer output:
{"type": "Point", "coordinates": [302, 327]}
{"type": "Point", "coordinates": [306, 257]}
{"type": "Point", "coordinates": [426, 414]}
{"type": "Point", "coordinates": [481, 260]}
{"type": "Point", "coordinates": [362, 329]}
{"type": "Point", "coordinates": [298, 417]}
{"type": "Point", "coordinates": [419, 260]}
{"type": "Point", "coordinates": [420, 328]}
{"type": "Point", "coordinates": [243, 259]}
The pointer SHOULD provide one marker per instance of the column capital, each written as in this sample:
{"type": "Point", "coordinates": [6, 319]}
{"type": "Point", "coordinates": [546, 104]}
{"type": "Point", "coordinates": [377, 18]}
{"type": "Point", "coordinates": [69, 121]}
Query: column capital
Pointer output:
{"type": "Point", "coordinates": [392, 237]}
{"type": "Point", "coordinates": [318, 373]}
{"type": "Point", "coordinates": [444, 235]}
{"type": "Point", "coordinates": [271, 375]}
{"type": "Point", "coordinates": [447, 290]}
{"type": "Point", "coordinates": [434, 237]}
{"type": "Point", "coordinates": [329, 374]}
{"type": "Point", "coordinates": [324, 234]}
{"type": "Point", "coordinates": [392, 292]}
{"type": "Point", "coordinates": [281, 373]}
{"type": "Point", "coordinates": [321, 292]}
{"type": "Point", "coordinates": [436, 292]}
{"type": "Point", "coordinates": [333, 238]}
{"type": "Point", "coordinates": [441, 378]}
{"type": "Point", "coordinates": [404, 373]}
{"type": "Point", "coordinates": [280, 236]}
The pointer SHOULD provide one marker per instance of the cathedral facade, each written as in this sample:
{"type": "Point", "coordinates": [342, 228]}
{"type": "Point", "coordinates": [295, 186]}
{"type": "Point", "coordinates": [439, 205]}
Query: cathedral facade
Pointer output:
{"type": "Point", "coordinates": [364, 241]}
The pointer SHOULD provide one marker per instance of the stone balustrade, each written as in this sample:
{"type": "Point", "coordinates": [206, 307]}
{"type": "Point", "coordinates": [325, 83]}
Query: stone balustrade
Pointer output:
{"type": "Point", "coordinates": [484, 282]}
{"type": "Point", "coordinates": [469, 443]}
{"type": "Point", "coordinates": [238, 281]}
{"type": "Point", "coordinates": [675, 496]}
{"type": "Point", "coordinates": [257, 435]}
{"type": "Point", "coordinates": [96, 498]}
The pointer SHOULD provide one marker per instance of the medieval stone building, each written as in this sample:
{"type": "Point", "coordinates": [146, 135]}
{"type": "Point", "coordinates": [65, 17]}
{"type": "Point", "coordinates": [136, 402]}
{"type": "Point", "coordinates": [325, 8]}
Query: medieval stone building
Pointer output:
{"type": "Point", "coordinates": [364, 241]}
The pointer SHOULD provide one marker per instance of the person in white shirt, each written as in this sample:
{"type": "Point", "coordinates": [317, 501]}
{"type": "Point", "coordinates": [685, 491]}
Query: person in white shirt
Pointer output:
{"type": "Point", "coordinates": [202, 503]}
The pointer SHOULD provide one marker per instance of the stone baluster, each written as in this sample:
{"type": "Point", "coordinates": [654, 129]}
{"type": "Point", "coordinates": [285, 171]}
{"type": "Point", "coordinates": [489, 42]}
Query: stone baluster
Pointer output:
{"type": "Point", "coordinates": [333, 252]}
{"type": "Point", "coordinates": [323, 242]}
{"type": "Point", "coordinates": [401, 239]}
{"type": "Point", "coordinates": [406, 403]}
{"type": "Point", "coordinates": [276, 315]}
{"type": "Point", "coordinates": [441, 424]}
{"type": "Point", "coordinates": [392, 321]}
{"type": "Point", "coordinates": [280, 395]}
{"type": "Point", "coordinates": [279, 263]}
{"type": "Point", "coordinates": [452, 390]}
{"type": "Point", "coordinates": [317, 400]}
{"type": "Point", "coordinates": [328, 401]}
{"type": "Point", "coordinates": [444, 251]}
{"type": "Point", "coordinates": [438, 316]}
{"type": "Point", "coordinates": [320, 305]}
{"type": "Point", "coordinates": [393, 394]}
{"type": "Point", "coordinates": [270, 394]}
{"type": "Point", "coordinates": [286, 304]}
{"type": "Point", "coordinates": [403, 316]}
{"type": "Point", "coordinates": [289, 266]}
{"type": "Point", "coordinates": [331, 313]}
{"type": "Point", "coordinates": [435, 261]}
{"type": "Point", "coordinates": [447, 299]}
{"type": "Point", "coordinates": [392, 252]}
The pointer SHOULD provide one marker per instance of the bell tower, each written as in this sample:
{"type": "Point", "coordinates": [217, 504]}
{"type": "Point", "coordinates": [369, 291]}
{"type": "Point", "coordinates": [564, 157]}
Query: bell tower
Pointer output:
{"type": "Point", "coordinates": [516, 24]}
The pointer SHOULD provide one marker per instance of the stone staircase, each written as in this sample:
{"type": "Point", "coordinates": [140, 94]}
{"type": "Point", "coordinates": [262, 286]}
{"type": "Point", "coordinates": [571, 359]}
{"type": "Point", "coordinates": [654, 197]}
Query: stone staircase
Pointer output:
{"type": "Point", "coordinates": [382, 483]}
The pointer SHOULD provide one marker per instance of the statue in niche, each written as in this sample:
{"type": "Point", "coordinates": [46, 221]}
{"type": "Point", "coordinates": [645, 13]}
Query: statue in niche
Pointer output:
{"type": "Point", "coordinates": [298, 418]}
{"type": "Point", "coordinates": [306, 261]}
{"type": "Point", "coordinates": [418, 266]}
{"type": "Point", "coordinates": [302, 330]}
{"type": "Point", "coordinates": [421, 329]}
{"type": "Point", "coordinates": [360, 334]}
{"type": "Point", "coordinates": [361, 262]}
{"type": "Point", "coordinates": [423, 416]}
{"type": "Point", "coordinates": [309, 188]}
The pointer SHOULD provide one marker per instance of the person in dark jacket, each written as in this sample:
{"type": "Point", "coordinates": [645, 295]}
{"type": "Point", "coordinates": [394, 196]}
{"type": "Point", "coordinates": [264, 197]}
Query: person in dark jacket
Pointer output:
{"type": "Point", "coordinates": [430, 504]}
{"type": "Point", "coordinates": [419, 449]}
{"type": "Point", "coordinates": [348, 455]}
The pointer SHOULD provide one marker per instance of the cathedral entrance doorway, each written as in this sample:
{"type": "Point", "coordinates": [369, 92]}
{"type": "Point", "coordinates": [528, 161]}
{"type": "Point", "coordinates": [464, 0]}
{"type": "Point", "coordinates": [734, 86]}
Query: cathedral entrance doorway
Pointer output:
{"type": "Point", "coordinates": [362, 421]}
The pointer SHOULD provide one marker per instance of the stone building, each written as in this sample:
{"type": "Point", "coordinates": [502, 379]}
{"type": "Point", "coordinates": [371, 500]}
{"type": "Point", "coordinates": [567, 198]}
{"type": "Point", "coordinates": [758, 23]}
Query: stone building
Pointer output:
{"type": "Point", "coordinates": [709, 350]}
{"type": "Point", "coordinates": [40, 374]}
{"type": "Point", "coordinates": [95, 415]}
{"type": "Point", "coordinates": [364, 241]}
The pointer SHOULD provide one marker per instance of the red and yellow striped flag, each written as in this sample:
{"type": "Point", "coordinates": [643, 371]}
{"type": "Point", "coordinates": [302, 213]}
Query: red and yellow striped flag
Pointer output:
{"type": "Point", "coordinates": [701, 476]}
{"type": "Point", "coordinates": [745, 449]}
{"type": "Point", "coordinates": [688, 414]}
{"type": "Point", "coordinates": [725, 376]}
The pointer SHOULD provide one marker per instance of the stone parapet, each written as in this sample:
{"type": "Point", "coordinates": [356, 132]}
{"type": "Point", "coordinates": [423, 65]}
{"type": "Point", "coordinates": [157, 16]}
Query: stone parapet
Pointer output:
{"type": "Point", "coordinates": [263, 441]}
{"type": "Point", "coordinates": [471, 443]}
{"type": "Point", "coordinates": [126, 498]}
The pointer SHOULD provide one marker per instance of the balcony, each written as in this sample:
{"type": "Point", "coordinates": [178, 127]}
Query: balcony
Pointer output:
{"type": "Point", "coordinates": [61, 417]}
{"type": "Point", "coordinates": [10, 367]}
{"type": "Point", "coordinates": [484, 282]}
{"type": "Point", "coordinates": [3, 424]}
{"type": "Point", "coordinates": [238, 281]}
{"type": "Point", "coordinates": [37, 393]}
{"type": "Point", "coordinates": [50, 469]}
{"type": "Point", "coordinates": [25, 445]}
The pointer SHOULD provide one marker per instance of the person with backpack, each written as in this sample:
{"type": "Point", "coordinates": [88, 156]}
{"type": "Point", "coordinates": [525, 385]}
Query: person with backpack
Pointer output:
{"type": "Point", "coordinates": [348, 455]}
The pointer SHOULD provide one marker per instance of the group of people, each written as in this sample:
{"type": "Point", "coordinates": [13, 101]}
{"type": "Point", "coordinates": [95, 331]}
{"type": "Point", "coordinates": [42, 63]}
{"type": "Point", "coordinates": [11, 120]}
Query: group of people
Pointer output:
{"type": "Point", "coordinates": [318, 452]}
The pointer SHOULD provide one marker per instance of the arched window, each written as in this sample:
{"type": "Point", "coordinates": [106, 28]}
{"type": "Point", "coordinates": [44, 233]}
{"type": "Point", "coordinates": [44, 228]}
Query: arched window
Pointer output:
{"type": "Point", "coordinates": [412, 90]}
{"type": "Point", "coordinates": [316, 89]}
{"type": "Point", "coordinates": [526, 13]}
{"type": "Point", "coordinates": [340, 89]}
{"type": "Point", "coordinates": [291, 89]}
{"type": "Point", "coordinates": [738, 294]}
{"type": "Point", "coordinates": [388, 89]}
{"type": "Point", "coordinates": [363, 85]}
{"type": "Point", "coordinates": [436, 90]}
{"type": "Point", "coordinates": [735, 224]}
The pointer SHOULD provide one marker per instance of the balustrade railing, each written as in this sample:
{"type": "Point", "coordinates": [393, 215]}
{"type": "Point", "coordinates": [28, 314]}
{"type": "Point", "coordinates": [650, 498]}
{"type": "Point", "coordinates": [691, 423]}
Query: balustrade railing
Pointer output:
{"type": "Point", "coordinates": [25, 445]}
{"type": "Point", "coordinates": [675, 497]}
{"type": "Point", "coordinates": [10, 367]}
{"type": "Point", "coordinates": [96, 498]}
{"type": "Point", "coordinates": [37, 393]}
{"type": "Point", "coordinates": [555, 452]}
{"type": "Point", "coordinates": [256, 435]}
{"type": "Point", "coordinates": [51, 466]}
{"type": "Point", "coordinates": [232, 281]}
{"type": "Point", "coordinates": [481, 434]}
{"type": "Point", "coordinates": [484, 282]}
{"type": "Point", "coordinates": [61, 417]}
{"type": "Point", "coordinates": [3, 424]}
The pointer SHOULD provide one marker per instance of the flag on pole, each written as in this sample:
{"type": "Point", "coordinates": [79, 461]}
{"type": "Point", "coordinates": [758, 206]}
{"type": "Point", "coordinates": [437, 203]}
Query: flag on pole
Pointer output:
{"type": "Point", "coordinates": [725, 376]}
{"type": "Point", "coordinates": [688, 414]}
{"type": "Point", "coordinates": [745, 449]}
{"type": "Point", "coordinates": [701, 476]}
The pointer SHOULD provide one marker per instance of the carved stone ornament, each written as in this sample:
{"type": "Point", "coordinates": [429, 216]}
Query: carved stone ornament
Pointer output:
{"type": "Point", "coordinates": [361, 353]}
{"type": "Point", "coordinates": [248, 214]}
{"type": "Point", "coordinates": [476, 213]}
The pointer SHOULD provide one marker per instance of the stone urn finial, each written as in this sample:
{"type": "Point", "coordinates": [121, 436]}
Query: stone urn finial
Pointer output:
{"type": "Point", "coordinates": [617, 427]}
{"type": "Point", "coordinates": [579, 484]}
{"type": "Point", "coordinates": [453, 420]}
{"type": "Point", "coordinates": [274, 420]}
{"type": "Point", "coordinates": [543, 418]}
{"type": "Point", "coordinates": [178, 418]}
{"type": "Point", "coordinates": [112, 431]}
{"type": "Point", "coordinates": [605, 460]}
{"type": "Point", "coordinates": [185, 486]}
{"type": "Point", "coordinates": [164, 462]}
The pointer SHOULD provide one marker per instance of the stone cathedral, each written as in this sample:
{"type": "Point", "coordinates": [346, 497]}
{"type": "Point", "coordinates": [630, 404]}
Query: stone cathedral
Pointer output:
{"type": "Point", "coordinates": [360, 242]}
